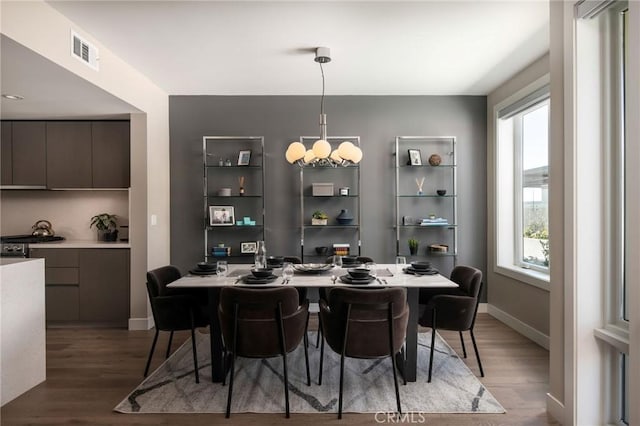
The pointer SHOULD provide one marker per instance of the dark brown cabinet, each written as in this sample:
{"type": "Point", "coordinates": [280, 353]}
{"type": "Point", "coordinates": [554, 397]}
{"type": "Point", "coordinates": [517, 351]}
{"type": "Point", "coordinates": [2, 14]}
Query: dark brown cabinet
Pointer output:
{"type": "Point", "coordinates": [24, 153]}
{"type": "Point", "coordinates": [111, 154]}
{"type": "Point", "coordinates": [69, 154]}
{"type": "Point", "coordinates": [86, 286]}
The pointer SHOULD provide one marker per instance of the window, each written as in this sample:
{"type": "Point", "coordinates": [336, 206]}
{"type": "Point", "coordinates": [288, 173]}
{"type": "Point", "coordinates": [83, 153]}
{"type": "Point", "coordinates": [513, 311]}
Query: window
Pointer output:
{"type": "Point", "coordinates": [522, 184]}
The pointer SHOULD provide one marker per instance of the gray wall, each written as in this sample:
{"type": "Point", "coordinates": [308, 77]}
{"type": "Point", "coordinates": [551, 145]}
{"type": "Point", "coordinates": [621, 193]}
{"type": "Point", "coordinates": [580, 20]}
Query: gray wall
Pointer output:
{"type": "Point", "coordinates": [283, 119]}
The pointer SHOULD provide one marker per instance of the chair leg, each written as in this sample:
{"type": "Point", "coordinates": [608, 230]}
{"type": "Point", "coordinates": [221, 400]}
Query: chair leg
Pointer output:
{"type": "Point", "coordinates": [286, 384]}
{"type": "Point", "coordinates": [319, 335]}
{"type": "Point", "coordinates": [341, 382]}
{"type": "Point", "coordinates": [153, 347]}
{"type": "Point", "coordinates": [169, 345]}
{"type": "Point", "coordinates": [321, 362]}
{"type": "Point", "coordinates": [306, 355]}
{"type": "Point", "coordinates": [475, 348]}
{"type": "Point", "coordinates": [283, 349]}
{"type": "Point", "coordinates": [395, 382]}
{"type": "Point", "coordinates": [233, 359]}
{"type": "Point", "coordinates": [433, 342]}
{"type": "Point", "coordinates": [224, 366]}
{"type": "Point", "coordinates": [464, 350]}
{"type": "Point", "coordinates": [195, 352]}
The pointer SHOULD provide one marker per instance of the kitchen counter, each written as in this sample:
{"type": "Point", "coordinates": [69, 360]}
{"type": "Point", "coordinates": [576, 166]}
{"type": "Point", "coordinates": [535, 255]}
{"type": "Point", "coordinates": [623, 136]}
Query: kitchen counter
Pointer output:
{"type": "Point", "coordinates": [22, 331]}
{"type": "Point", "coordinates": [82, 244]}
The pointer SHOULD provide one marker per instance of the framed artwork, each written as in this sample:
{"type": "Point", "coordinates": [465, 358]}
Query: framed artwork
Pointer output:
{"type": "Point", "coordinates": [221, 216]}
{"type": "Point", "coordinates": [244, 157]}
{"type": "Point", "coordinates": [414, 157]}
{"type": "Point", "coordinates": [248, 247]}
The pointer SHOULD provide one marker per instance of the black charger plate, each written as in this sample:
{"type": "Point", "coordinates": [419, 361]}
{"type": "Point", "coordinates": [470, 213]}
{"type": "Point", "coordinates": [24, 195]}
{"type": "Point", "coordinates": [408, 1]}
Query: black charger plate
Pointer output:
{"type": "Point", "coordinates": [250, 279]}
{"type": "Point", "coordinates": [348, 280]}
{"type": "Point", "coordinates": [410, 270]}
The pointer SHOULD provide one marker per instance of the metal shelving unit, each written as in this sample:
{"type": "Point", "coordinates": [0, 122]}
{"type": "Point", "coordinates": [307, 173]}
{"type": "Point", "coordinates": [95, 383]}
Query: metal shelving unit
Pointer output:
{"type": "Point", "coordinates": [251, 203]}
{"type": "Point", "coordinates": [411, 206]}
{"type": "Point", "coordinates": [326, 235]}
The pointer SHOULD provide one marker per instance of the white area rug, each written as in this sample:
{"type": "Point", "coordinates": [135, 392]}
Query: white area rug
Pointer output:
{"type": "Point", "coordinates": [258, 386]}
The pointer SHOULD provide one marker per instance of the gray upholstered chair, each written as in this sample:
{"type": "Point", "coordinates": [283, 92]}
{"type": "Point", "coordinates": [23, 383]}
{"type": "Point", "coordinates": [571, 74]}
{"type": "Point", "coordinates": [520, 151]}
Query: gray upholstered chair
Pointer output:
{"type": "Point", "coordinates": [360, 323]}
{"type": "Point", "coordinates": [173, 310]}
{"type": "Point", "coordinates": [455, 310]}
{"type": "Point", "coordinates": [262, 323]}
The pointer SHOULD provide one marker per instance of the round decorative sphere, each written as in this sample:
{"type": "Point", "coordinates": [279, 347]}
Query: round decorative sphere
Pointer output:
{"type": "Point", "coordinates": [357, 155]}
{"type": "Point", "coordinates": [321, 148]}
{"type": "Point", "coordinates": [435, 160]}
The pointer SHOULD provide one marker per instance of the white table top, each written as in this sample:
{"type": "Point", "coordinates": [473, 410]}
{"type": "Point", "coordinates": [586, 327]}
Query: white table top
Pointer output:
{"type": "Point", "coordinates": [400, 279]}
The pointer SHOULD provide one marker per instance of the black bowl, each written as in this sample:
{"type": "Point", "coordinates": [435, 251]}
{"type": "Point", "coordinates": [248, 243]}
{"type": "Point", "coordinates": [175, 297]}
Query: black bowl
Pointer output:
{"type": "Point", "coordinates": [275, 260]}
{"type": "Point", "coordinates": [421, 265]}
{"type": "Point", "coordinates": [206, 266]}
{"type": "Point", "coordinates": [358, 273]}
{"type": "Point", "coordinates": [262, 272]}
{"type": "Point", "coordinates": [321, 251]}
{"type": "Point", "coordinates": [349, 260]}
{"type": "Point", "coordinates": [441, 192]}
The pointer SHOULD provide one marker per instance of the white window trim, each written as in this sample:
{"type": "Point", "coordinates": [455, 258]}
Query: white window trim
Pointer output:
{"type": "Point", "coordinates": [502, 233]}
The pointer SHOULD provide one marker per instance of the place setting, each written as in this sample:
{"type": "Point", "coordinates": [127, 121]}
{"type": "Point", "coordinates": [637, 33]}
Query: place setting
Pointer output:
{"type": "Point", "coordinates": [259, 276]}
{"type": "Point", "coordinates": [204, 269]}
{"type": "Point", "coordinates": [362, 275]}
{"type": "Point", "coordinates": [420, 268]}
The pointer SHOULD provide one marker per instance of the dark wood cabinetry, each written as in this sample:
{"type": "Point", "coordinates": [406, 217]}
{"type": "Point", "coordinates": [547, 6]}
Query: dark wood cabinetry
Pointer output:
{"type": "Point", "coordinates": [110, 158]}
{"type": "Point", "coordinates": [66, 154]}
{"type": "Point", "coordinates": [24, 153]}
{"type": "Point", "coordinates": [86, 286]}
{"type": "Point", "coordinates": [69, 154]}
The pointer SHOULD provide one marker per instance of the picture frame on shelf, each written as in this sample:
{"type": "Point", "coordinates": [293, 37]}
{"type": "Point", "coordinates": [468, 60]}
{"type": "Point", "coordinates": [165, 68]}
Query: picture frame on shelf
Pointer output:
{"type": "Point", "coordinates": [221, 216]}
{"type": "Point", "coordinates": [415, 158]}
{"type": "Point", "coordinates": [247, 247]}
{"type": "Point", "coordinates": [244, 157]}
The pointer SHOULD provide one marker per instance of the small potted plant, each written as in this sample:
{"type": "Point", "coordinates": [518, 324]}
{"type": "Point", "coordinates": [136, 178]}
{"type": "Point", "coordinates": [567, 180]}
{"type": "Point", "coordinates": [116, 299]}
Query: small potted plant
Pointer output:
{"type": "Point", "coordinates": [319, 218]}
{"type": "Point", "coordinates": [106, 224]}
{"type": "Point", "coordinates": [413, 246]}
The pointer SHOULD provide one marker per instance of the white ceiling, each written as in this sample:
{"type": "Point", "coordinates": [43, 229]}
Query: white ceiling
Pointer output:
{"type": "Point", "coordinates": [265, 47]}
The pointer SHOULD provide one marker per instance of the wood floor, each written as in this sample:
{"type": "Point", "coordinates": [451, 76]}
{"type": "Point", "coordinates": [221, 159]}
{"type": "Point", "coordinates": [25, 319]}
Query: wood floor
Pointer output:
{"type": "Point", "coordinates": [89, 371]}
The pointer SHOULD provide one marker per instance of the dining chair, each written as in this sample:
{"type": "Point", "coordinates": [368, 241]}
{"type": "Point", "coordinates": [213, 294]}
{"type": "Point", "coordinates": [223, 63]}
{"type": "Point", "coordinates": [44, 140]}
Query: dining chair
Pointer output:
{"type": "Point", "coordinates": [368, 324]}
{"type": "Point", "coordinates": [456, 312]}
{"type": "Point", "coordinates": [173, 310]}
{"type": "Point", "coordinates": [262, 323]}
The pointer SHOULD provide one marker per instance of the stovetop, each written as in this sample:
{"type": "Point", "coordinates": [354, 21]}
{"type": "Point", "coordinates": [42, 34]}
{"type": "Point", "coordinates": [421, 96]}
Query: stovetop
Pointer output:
{"type": "Point", "coordinates": [29, 239]}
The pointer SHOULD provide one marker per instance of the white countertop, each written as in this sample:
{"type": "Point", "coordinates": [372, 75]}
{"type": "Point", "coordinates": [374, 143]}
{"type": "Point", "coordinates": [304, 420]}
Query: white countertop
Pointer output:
{"type": "Point", "coordinates": [81, 244]}
{"type": "Point", "coordinates": [4, 261]}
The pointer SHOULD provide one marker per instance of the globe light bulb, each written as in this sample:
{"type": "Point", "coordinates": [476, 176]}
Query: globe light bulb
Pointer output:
{"type": "Point", "coordinates": [295, 152]}
{"type": "Point", "coordinates": [321, 149]}
{"type": "Point", "coordinates": [356, 156]}
{"type": "Point", "coordinates": [336, 157]}
{"type": "Point", "coordinates": [309, 156]}
{"type": "Point", "coordinates": [345, 150]}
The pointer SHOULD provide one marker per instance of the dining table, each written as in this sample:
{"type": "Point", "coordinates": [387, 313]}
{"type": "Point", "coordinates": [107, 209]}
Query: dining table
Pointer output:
{"type": "Point", "coordinates": [388, 275]}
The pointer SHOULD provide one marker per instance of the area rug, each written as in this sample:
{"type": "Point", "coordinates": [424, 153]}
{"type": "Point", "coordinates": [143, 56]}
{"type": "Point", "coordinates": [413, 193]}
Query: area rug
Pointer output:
{"type": "Point", "coordinates": [258, 385]}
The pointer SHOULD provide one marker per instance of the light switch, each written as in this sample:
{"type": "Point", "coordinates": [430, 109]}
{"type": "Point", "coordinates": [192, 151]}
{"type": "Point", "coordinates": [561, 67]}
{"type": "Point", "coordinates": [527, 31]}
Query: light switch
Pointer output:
{"type": "Point", "coordinates": [154, 220]}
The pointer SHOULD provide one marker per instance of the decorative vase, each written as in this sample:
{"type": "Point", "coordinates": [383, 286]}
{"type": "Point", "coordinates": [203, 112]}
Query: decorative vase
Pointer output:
{"type": "Point", "coordinates": [315, 221]}
{"type": "Point", "coordinates": [344, 218]}
{"type": "Point", "coordinates": [413, 250]}
{"type": "Point", "coordinates": [435, 160]}
{"type": "Point", "coordinates": [108, 235]}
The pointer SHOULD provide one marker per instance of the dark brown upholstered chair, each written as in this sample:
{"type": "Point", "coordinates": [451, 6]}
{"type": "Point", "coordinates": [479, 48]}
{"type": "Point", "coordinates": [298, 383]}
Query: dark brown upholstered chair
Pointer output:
{"type": "Point", "coordinates": [173, 310]}
{"type": "Point", "coordinates": [455, 312]}
{"type": "Point", "coordinates": [360, 323]}
{"type": "Point", "coordinates": [262, 323]}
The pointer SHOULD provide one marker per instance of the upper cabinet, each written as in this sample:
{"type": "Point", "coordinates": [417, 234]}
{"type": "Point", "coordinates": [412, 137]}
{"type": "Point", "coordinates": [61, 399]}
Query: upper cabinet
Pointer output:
{"type": "Point", "coordinates": [65, 154]}
{"type": "Point", "coordinates": [69, 154]}
{"type": "Point", "coordinates": [111, 154]}
{"type": "Point", "coordinates": [24, 153]}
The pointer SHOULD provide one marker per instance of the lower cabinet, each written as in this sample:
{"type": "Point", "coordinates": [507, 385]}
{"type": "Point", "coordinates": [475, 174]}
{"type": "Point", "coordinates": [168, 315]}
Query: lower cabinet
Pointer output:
{"type": "Point", "coordinates": [86, 286]}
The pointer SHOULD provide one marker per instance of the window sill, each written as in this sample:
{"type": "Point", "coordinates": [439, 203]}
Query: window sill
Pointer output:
{"type": "Point", "coordinates": [526, 276]}
{"type": "Point", "coordinates": [614, 336]}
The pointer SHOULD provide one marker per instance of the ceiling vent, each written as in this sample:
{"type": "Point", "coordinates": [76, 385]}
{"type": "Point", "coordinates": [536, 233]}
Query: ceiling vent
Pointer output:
{"type": "Point", "coordinates": [84, 51]}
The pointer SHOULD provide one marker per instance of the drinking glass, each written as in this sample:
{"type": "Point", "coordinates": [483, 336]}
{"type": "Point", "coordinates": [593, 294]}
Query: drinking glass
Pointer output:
{"type": "Point", "coordinates": [222, 268]}
{"type": "Point", "coordinates": [337, 261]}
{"type": "Point", "coordinates": [373, 269]}
{"type": "Point", "coordinates": [401, 263]}
{"type": "Point", "coordinates": [287, 271]}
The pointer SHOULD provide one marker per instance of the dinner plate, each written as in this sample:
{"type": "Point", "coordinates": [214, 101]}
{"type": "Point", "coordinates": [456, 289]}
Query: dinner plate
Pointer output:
{"type": "Point", "coordinates": [348, 280]}
{"type": "Point", "coordinates": [200, 272]}
{"type": "Point", "coordinates": [410, 270]}
{"type": "Point", "coordinates": [250, 279]}
{"type": "Point", "coordinates": [312, 268]}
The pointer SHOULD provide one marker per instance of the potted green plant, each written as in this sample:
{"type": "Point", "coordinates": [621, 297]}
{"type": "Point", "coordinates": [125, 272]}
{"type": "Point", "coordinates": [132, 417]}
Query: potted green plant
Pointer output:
{"type": "Point", "coordinates": [319, 218]}
{"type": "Point", "coordinates": [105, 224]}
{"type": "Point", "coordinates": [413, 246]}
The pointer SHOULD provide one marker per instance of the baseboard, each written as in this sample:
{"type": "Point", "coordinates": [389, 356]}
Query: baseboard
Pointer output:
{"type": "Point", "coordinates": [519, 326]}
{"type": "Point", "coordinates": [141, 323]}
{"type": "Point", "coordinates": [555, 408]}
{"type": "Point", "coordinates": [482, 308]}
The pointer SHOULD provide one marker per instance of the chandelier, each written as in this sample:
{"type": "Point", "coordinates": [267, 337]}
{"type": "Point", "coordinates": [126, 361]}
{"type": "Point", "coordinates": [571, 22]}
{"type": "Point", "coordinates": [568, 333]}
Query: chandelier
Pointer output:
{"type": "Point", "coordinates": [321, 153]}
